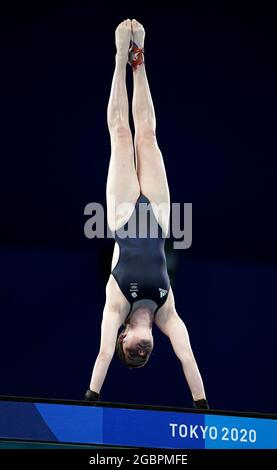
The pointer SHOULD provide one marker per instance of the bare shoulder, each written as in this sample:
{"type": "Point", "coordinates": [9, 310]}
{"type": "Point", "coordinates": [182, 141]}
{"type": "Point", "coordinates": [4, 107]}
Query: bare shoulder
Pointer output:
{"type": "Point", "coordinates": [166, 313]}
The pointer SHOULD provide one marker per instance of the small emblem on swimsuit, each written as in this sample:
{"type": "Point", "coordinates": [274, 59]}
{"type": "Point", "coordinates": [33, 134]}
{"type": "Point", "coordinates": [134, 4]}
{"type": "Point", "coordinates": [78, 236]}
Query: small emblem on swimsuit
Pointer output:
{"type": "Point", "coordinates": [134, 289]}
{"type": "Point", "coordinates": [163, 292]}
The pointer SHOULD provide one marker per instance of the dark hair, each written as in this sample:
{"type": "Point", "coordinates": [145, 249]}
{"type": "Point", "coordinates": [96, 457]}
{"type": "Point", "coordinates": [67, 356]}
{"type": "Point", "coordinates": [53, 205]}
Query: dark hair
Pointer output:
{"type": "Point", "coordinates": [136, 360]}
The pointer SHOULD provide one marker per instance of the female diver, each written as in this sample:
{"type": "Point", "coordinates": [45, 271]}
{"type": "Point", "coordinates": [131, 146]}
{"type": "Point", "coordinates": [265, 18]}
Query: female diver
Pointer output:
{"type": "Point", "coordinates": [138, 292]}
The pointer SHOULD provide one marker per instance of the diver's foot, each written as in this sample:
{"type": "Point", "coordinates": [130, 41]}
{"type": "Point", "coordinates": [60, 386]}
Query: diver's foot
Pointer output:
{"type": "Point", "coordinates": [138, 34]}
{"type": "Point", "coordinates": [123, 38]}
{"type": "Point", "coordinates": [136, 52]}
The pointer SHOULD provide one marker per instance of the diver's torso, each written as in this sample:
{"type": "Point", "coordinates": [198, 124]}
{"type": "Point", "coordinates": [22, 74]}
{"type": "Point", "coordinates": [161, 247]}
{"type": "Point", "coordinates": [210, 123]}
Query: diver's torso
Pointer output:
{"type": "Point", "coordinates": [141, 270]}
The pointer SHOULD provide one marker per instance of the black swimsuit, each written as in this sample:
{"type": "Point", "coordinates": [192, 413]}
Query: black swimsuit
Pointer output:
{"type": "Point", "coordinates": [141, 271]}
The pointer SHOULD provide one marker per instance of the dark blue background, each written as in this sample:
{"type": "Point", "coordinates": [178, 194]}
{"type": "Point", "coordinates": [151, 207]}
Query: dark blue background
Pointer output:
{"type": "Point", "coordinates": [212, 72]}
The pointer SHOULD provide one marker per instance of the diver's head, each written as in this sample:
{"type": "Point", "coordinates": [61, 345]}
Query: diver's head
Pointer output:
{"type": "Point", "coordinates": [135, 342]}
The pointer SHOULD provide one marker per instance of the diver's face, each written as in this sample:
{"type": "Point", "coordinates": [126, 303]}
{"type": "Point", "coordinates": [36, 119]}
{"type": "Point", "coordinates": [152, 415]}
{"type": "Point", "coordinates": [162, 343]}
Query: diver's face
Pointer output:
{"type": "Point", "coordinates": [134, 342]}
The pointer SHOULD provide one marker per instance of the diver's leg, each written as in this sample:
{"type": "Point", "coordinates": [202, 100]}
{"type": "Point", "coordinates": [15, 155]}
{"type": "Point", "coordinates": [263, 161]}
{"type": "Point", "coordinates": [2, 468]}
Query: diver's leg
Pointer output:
{"type": "Point", "coordinates": [122, 181]}
{"type": "Point", "coordinates": [150, 165]}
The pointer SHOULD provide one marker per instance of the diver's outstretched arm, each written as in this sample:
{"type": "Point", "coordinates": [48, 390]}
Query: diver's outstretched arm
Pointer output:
{"type": "Point", "coordinates": [169, 322]}
{"type": "Point", "coordinates": [179, 338]}
{"type": "Point", "coordinates": [109, 328]}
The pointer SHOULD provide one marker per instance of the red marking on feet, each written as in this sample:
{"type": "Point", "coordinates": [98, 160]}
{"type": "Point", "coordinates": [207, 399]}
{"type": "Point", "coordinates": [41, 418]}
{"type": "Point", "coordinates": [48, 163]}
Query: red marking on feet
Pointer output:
{"type": "Point", "coordinates": [137, 56]}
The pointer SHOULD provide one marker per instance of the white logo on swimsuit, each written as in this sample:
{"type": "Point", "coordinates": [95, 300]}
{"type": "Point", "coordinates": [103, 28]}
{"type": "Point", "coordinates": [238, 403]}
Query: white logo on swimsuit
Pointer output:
{"type": "Point", "coordinates": [134, 289]}
{"type": "Point", "coordinates": [163, 292]}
